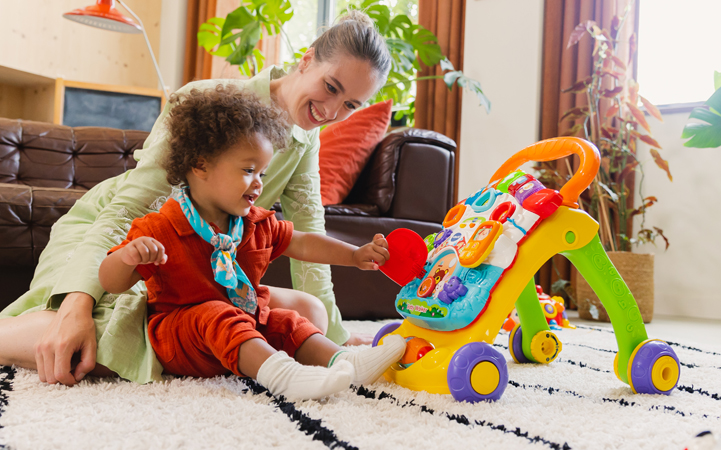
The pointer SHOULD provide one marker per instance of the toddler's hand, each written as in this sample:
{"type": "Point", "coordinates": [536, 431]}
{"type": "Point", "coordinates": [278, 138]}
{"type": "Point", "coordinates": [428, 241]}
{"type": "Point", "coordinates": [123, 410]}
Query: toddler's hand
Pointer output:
{"type": "Point", "coordinates": [143, 250]}
{"type": "Point", "coordinates": [372, 255]}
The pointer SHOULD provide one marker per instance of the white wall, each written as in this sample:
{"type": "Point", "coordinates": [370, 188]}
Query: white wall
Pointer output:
{"type": "Point", "coordinates": [172, 42]}
{"type": "Point", "coordinates": [503, 45]}
{"type": "Point", "coordinates": [688, 275]}
{"type": "Point", "coordinates": [35, 38]}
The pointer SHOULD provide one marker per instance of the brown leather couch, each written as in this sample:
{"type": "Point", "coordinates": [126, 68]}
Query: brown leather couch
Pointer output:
{"type": "Point", "coordinates": [45, 168]}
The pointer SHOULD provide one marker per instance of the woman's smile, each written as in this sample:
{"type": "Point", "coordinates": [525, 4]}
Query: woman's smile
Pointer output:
{"type": "Point", "coordinates": [315, 116]}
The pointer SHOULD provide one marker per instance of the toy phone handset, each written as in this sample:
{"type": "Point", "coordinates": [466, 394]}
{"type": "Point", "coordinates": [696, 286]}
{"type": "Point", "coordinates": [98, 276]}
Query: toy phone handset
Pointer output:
{"type": "Point", "coordinates": [481, 243]}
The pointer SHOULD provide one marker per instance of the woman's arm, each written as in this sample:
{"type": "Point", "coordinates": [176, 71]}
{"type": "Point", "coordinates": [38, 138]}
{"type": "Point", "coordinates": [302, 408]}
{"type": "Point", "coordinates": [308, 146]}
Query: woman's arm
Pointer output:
{"type": "Point", "coordinates": [302, 205]}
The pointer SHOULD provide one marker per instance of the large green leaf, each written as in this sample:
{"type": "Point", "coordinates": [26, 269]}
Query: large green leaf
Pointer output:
{"type": "Point", "coordinates": [705, 135]}
{"type": "Point", "coordinates": [237, 20]}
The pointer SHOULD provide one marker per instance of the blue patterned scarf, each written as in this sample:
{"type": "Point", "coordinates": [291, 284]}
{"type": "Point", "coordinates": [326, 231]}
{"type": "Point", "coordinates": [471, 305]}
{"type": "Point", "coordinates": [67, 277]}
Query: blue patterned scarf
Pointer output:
{"type": "Point", "coordinates": [225, 268]}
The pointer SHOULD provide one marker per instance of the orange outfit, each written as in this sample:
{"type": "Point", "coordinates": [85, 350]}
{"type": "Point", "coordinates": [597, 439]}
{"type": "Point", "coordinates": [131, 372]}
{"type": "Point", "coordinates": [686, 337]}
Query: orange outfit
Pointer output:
{"type": "Point", "coordinates": [194, 328]}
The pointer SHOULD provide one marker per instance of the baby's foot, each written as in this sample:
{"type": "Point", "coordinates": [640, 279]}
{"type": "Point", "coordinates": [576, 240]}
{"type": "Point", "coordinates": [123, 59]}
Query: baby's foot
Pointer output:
{"type": "Point", "coordinates": [283, 375]}
{"type": "Point", "coordinates": [370, 364]}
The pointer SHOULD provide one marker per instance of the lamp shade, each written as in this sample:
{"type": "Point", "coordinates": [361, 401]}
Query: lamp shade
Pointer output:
{"type": "Point", "coordinates": [104, 15]}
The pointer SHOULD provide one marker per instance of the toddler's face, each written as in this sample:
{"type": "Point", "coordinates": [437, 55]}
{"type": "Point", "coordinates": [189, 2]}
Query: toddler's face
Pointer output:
{"type": "Point", "coordinates": [234, 177]}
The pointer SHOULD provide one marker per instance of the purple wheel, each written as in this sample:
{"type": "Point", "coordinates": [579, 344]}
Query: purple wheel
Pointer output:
{"type": "Point", "coordinates": [477, 372]}
{"type": "Point", "coordinates": [653, 368]}
{"type": "Point", "coordinates": [385, 329]}
{"type": "Point", "coordinates": [515, 347]}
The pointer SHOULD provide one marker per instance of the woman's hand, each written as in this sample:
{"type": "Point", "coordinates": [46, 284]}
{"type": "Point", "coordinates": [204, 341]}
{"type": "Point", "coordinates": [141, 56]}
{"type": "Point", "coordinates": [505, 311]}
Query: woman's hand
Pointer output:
{"type": "Point", "coordinates": [143, 250]}
{"type": "Point", "coordinates": [359, 339]}
{"type": "Point", "coordinates": [372, 255]}
{"type": "Point", "coordinates": [71, 331]}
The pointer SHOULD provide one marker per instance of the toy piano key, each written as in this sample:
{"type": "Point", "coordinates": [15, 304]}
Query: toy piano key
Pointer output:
{"type": "Point", "coordinates": [408, 253]}
{"type": "Point", "coordinates": [480, 244]}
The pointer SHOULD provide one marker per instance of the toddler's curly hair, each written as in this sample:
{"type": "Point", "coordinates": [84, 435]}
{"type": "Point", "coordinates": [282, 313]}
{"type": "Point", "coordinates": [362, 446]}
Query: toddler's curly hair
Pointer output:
{"type": "Point", "coordinates": [208, 122]}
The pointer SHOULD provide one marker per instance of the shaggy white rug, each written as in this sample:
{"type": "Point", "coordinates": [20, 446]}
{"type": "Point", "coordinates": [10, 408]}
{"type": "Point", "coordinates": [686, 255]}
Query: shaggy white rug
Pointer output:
{"type": "Point", "coordinates": [575, 402]}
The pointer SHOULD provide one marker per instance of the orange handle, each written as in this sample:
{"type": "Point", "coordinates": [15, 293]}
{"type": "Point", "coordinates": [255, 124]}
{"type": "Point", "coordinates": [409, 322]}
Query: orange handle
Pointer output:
{"type": "Point", "coordinates": [556, 148]}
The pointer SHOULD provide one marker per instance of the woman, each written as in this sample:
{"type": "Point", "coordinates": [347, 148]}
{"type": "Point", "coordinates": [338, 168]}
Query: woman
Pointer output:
{"type": "Point", "coordinates": [66, 320]}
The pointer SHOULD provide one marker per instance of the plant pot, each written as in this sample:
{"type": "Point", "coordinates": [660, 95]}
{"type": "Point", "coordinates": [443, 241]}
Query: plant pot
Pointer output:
{"type": "Point", "coordinates": [636, 269]}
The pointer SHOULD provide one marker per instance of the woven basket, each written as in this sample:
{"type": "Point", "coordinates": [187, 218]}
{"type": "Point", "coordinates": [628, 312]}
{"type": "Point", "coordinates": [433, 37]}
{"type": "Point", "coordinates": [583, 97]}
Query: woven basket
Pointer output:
{"type": "Point", "coordinates": [636, 269]}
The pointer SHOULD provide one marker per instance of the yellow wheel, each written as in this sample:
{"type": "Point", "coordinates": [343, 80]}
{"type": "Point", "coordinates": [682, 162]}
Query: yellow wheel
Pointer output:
{"type": "Point", "coordinates": [545, 347]}
{"type": "Point", "coordinates": [615, 367]}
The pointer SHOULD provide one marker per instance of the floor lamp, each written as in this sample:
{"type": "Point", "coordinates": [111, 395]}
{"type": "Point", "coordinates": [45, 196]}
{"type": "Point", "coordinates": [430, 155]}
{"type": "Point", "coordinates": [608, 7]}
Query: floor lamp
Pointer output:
{"type": "Point", "coordinates": [104, 15]}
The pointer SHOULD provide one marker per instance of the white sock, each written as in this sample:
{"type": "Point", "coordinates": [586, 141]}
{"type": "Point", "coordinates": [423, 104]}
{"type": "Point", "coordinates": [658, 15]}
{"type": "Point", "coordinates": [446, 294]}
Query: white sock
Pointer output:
{"type": "Point", "coordinates": [370, 364]}
{"type": "Point", "coordinates": [283, 375]}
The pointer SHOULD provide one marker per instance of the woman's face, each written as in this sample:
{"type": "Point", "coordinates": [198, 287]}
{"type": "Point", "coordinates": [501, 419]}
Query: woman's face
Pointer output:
{"type": "Point", "coordinates": [329, 91]}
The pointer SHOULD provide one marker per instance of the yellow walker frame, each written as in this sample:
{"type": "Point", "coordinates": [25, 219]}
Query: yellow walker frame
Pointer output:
{"type": "Point", "coordinates": [648, 366]}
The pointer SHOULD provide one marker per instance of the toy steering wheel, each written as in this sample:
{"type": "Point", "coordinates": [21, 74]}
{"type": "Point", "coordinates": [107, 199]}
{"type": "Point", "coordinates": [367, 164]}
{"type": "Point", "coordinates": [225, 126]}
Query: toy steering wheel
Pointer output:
{"type": "Point", "coordinates": [556, 148]}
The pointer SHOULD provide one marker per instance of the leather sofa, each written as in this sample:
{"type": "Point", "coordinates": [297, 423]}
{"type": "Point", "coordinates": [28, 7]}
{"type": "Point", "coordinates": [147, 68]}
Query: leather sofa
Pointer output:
{"type": "Point", "coordinates": [45, 168]}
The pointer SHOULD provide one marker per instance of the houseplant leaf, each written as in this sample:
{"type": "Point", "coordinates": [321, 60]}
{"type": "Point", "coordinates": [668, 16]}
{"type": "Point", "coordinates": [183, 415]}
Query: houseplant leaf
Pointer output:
{"type": "Point", "coordinates": [662, 163]}
{"type": "Point", "coordinates": [705, 135]}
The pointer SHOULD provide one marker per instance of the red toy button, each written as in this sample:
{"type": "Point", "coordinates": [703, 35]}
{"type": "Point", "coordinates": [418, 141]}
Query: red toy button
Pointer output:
{"type": "Point", "coordinates": [543, 203]}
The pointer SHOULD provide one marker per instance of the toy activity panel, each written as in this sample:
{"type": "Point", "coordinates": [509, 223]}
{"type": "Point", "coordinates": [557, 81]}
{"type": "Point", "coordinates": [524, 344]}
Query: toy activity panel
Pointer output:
{"type": "Point", "coordinates": [467, 258]}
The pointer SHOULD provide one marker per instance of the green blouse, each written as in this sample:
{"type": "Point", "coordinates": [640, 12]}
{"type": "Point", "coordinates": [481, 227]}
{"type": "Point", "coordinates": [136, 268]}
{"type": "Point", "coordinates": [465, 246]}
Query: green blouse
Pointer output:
{"type": "Point", "coordinates": [101, 218]}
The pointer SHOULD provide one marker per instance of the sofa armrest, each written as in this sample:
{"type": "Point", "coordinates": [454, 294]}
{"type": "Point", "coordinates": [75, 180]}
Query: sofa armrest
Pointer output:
{"type": "Point", "coordinates": [390, 172]}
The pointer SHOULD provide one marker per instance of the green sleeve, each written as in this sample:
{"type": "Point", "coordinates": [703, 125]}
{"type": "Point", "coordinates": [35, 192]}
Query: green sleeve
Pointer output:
{"type": "Point", "coordinates": [116, 202]}
{"type": "Point", "coordinates": [302, 205]}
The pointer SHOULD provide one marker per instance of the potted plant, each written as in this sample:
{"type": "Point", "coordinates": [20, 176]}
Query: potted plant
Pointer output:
{"type": "Point", "coordinates": [706, 135]}
{"type": "Point", "coordinates": [613, 120]}
{"type": "Point", "coordinates": [235, 37]}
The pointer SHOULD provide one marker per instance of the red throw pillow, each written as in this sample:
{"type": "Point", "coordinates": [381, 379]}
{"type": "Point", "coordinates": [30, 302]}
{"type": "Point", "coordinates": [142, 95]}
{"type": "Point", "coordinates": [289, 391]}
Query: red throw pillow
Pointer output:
{"type": "Point", "coordinates": [345, 148]}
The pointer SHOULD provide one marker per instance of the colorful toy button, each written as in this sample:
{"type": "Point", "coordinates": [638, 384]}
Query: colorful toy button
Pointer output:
{"type": "Point", "coordinates": [452, 290]}
{"type": "Point", "coordinates": [485, 201]}
{"type": "Point", "coordinates": [511, 178]}
{"type": "Point", "coordinates": [481, 244]}
{"type": "Point", "coordinates": [471, 222]}
{"type": "Point", "coordinates": [503, 211]}
{"type": "Point", "coordinates": [427, 287]}
{"type": "Point", "coordinates": [416, 348]}
{"type": "Point", "coordinates": [543, 203]}
{"type": "Point", "coordinates": [454, 215]}
{"type": "Point", "coordinates": [441, 237]}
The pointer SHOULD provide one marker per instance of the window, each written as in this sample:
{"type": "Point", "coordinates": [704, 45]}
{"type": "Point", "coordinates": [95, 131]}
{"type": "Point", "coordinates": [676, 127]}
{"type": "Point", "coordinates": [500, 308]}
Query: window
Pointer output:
{"type": "Point", "coordinates": [678, 50]}
{"type": "Point", "coordinates": [312, 15]}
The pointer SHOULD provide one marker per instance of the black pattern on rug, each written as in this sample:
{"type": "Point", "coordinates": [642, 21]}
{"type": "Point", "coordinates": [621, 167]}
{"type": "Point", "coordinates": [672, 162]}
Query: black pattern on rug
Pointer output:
{"type": "Point", "coordinates": [688, 389]}
{"type": "Point", "coordinates": [619, 401]}
{"type": "Point", "coordinates": [459, 418]}
{"type": "Point", "coordinates": [7, 374]}
{"type": "Point", "coordinates": [309, 426]}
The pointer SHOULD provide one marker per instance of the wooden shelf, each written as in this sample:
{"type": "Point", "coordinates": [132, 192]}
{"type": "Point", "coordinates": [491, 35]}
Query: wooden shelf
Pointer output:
{"type": "Point", "coordinates": [28, 96]}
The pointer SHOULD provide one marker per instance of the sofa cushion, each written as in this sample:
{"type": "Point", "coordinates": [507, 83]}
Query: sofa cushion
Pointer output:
{"type": "Point", "coordinates": [27, 215]}
{"type": "Point", "coordinates": [56, 156]}
{"type": "Point", "coordinates": [345, 148]}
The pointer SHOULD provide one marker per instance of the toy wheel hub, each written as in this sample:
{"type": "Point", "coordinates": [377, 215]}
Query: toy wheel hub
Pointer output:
{"type": "Point", "coordinates": [545, 347]}
{"type": "Point", "coordinates": [665, 373]}
{"type": "Point", "coordinates": [485, 378]}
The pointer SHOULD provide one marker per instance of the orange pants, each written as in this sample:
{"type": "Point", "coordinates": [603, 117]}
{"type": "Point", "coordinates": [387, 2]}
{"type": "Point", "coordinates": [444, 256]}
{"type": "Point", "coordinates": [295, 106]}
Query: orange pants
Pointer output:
{"type": "Point", "coordinates": [203, 340]}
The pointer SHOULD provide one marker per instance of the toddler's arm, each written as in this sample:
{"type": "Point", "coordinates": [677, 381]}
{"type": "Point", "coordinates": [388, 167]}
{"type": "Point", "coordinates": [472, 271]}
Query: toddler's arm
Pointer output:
{"type": "Point", "coordinates": [319, 248]}
{"type": "Point", "coordinates": [117, 272]}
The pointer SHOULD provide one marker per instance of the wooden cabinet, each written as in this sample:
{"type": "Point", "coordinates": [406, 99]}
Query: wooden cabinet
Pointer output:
{"type": "Point", "coordinates": [28, 96]}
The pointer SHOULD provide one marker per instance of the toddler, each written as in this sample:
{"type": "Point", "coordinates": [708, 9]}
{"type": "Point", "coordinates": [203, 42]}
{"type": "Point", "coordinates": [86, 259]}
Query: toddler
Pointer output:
{"type": "Point", "coordinates": [203, 254]}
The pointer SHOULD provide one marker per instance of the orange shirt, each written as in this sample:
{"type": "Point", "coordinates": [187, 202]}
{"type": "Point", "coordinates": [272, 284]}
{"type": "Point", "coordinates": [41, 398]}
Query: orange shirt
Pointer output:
{"type": "Point", "coordinates": [187, 277]}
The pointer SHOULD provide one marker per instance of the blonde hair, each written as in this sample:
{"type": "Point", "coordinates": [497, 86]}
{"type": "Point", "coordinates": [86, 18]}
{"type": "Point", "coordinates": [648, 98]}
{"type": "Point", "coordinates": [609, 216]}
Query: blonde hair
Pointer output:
{"type": "Point", "coordinates": [355, 34]}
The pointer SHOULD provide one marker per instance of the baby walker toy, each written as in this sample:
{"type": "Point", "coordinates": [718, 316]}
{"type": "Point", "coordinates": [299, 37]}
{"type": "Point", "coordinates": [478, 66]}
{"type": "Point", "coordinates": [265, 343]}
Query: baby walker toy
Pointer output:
{"type": "Point", "coordinates": [460, 284]}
